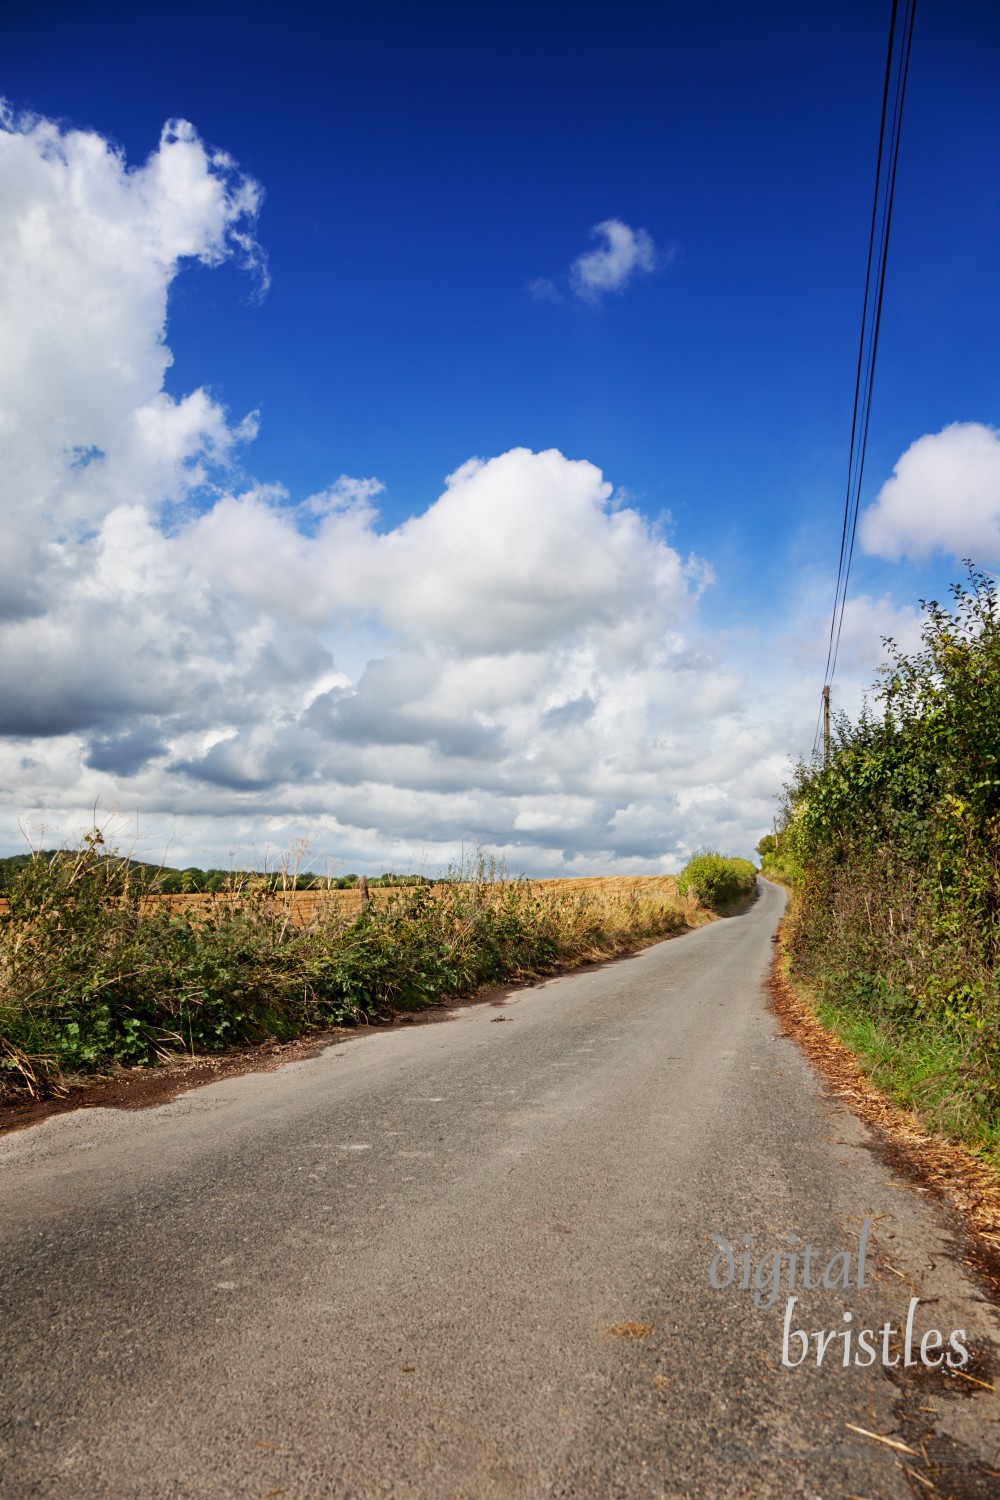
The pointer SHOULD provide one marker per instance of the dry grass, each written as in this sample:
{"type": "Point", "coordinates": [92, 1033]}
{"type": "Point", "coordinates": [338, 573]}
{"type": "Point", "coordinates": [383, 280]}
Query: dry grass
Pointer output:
{"type": "Point", "coordinates": [604, 916]}
{"type": "Point", "coordinates": [607, 893]}
{"type": "Point", "coordinates": [611, 890]}
{"type": "Point", "coordinates": [608, 889]}
{"type": "Point", "coordinates": [94, 975]}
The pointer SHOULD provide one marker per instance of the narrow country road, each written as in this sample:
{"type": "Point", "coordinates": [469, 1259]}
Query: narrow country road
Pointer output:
{"type": "Point", "coordinates": [472, 1260]}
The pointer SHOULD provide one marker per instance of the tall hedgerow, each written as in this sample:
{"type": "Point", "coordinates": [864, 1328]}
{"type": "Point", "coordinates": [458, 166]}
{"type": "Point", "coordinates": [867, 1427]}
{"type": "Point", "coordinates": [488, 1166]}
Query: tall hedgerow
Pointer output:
{"type": "Point", "coordinates": [898, 842]}
{"type": "Point", "coordinates": [95, 972]}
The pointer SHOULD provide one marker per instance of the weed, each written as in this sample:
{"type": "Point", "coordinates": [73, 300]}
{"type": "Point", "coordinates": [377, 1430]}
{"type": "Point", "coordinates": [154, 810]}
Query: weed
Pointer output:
{"type": "Point", "coordinates": [98, 970]}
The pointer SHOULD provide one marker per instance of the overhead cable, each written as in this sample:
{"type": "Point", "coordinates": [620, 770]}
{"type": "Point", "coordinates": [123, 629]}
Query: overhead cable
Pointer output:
{"type": "Point", "coordinates": [894, 88]}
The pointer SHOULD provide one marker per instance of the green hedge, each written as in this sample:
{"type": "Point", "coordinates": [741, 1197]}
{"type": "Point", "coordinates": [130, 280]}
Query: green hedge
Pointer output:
{"type": "Point", "coordinates": [718, 880]}
{"type": "Point", "coordinates": [93, 974]}
{"type": "Point", "coordinates": [898, 842]}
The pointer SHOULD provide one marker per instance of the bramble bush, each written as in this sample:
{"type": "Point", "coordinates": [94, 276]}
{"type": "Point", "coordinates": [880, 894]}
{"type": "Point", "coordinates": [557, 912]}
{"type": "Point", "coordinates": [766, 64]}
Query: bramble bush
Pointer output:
{"type": "Point", "coordinates": [94, 973]}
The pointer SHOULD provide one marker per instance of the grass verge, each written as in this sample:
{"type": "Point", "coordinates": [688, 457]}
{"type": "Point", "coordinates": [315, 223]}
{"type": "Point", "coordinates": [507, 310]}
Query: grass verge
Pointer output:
{"type": "Point", "coordinates": [902, 1088]}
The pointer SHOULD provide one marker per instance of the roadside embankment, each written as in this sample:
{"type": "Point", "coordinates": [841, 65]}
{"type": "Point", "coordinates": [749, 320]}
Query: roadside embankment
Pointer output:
{"type": "Point", "coordinates": [867, 1082]}
{"type": "Point", "coordinates": [891, 844]}
{"type": "Point", "coordinates": [96, 975]}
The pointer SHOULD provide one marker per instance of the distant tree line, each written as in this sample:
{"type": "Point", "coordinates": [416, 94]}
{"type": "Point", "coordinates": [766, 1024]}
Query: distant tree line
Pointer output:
{"type": "Point", "coordinates": [165, 881]}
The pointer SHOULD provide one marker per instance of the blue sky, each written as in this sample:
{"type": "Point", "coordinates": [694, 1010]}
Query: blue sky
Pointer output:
{"type": "Point", "coordinates": [426, 173]}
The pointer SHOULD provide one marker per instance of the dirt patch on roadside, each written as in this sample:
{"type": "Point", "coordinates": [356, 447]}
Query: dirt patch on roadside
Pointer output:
{"type": "Point", "coordinates": [940, 1168]}
{"type": "Point", "coordinates": [144, 1088]}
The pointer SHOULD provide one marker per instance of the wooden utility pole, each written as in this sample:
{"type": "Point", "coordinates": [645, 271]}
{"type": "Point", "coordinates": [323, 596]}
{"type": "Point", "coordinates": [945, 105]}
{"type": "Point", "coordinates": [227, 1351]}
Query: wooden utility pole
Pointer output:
{"type": "Point", "coordinates": [826, 725]}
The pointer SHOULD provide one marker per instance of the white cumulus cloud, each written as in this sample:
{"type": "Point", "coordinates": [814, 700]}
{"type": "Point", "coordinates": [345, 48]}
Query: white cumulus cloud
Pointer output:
{"type": "Point", "coordinates": [518, 553]}
{"type": "Point", "coordinates": [520, 661]}
{"type": "Point", "coordinates": [943, 497]}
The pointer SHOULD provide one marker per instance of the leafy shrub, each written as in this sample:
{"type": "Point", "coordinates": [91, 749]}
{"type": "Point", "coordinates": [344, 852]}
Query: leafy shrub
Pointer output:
{"type": "Point", "coordinates": [781, 867]}
{"type": "Point", "coordinates": [899, 836]}
{"type": "Point", "coordinates": [898, 843]}
{"type": "Point", "coordinates": [93, 972]}
{"type": "Point", "coordinates": [718, 881]}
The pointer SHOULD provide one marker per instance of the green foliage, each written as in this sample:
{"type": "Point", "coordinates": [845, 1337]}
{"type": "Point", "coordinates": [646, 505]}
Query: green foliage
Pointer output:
{"type": "Point", "coordinates": [898, 841]}
{"type": "Point", "coordinates": [718, 881]}
{"type": "Point", "coordinates": [12, 864]}
{"type": "Point", "coordinates": [93, 973]}
{"type": "Point", "coordinates": [782, 867]}
{"type": "Point", "coordinates": [776, 861]}
{"type": "Point", "coordinates": [933, 1070]}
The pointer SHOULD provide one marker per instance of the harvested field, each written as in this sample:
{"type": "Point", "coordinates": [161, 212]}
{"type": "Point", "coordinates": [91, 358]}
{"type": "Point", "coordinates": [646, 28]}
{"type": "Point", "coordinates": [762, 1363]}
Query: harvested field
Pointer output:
{"type": "Point", "coordinates": [305, 906]}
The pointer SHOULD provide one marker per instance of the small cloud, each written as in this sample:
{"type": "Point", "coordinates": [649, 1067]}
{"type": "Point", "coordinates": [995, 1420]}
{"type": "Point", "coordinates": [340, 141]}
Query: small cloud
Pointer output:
{"type": "Point", "coordinates": [543, 289]}
{"type": "Point", "coordinates": [624, 254]}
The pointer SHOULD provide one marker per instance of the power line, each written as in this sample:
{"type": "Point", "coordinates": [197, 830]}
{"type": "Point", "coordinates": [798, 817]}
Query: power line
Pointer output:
{"type": "Point", "coordinates": [897, 63]}
{"type": "Point", "coordinates": [864, 330]}
{"type": "Point", "coordinates": [887, 220]}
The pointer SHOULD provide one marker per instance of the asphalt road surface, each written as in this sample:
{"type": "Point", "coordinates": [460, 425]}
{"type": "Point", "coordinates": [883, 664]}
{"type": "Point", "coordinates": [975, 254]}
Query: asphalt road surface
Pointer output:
{"type": "Point", "coordinates": [472, 1260]}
